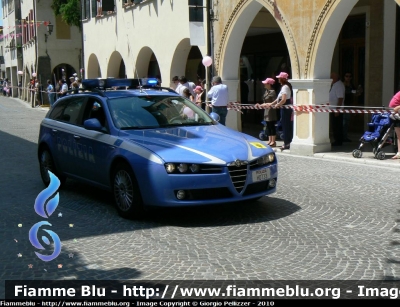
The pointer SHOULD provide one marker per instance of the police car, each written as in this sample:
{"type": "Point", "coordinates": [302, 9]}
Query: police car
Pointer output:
{"type": "Point", "coordinates": [151, 147]}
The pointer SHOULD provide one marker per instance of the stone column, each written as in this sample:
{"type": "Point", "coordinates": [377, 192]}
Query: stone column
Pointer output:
{"type": "Point", "coordinates": [311, 129]}
{"type": "Point", "coordinates": [233, 120]}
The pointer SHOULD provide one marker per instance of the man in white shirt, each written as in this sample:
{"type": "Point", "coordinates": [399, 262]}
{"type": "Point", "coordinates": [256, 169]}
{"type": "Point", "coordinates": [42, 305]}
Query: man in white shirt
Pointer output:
{"type": "Point", "coordinates": [183, 83]}
{"type": "Point", "coordinates": [219, 98]}
{"type": "Point", "coordinates": [175, 82]}
{"type": "Point", "coordinates": [336, 98]}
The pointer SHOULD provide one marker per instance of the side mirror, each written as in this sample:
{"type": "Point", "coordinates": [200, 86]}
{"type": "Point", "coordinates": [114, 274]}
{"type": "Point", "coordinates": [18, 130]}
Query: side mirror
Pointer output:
{"type": "Point", "coordinates": [215, 116]}
{"type": "Point", "coordinates": [92, 124]}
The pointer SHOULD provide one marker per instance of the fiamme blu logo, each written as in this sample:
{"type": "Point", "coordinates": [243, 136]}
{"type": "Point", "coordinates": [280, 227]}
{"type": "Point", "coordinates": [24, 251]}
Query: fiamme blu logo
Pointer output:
{"type": "Point", "coordinates": [45, 205]}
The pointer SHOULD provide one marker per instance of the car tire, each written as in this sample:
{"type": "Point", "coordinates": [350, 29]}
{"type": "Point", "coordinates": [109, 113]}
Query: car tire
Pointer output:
{"type": "Point", "coordinates": [46, 163]}
{"type": "Point", "coordinates": [127, 197]}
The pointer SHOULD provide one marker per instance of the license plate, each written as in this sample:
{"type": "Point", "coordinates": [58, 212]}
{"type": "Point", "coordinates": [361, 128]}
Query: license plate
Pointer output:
{"type": "Point", "coordinates": [261, 174]}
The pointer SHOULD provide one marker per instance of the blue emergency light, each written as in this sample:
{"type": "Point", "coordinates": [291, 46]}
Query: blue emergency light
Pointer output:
{"type": "Point", "coordinates": [109, 83]}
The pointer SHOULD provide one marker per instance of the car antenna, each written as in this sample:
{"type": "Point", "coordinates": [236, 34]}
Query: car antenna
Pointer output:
{"type": "Point", "coordinates": [140, 84]}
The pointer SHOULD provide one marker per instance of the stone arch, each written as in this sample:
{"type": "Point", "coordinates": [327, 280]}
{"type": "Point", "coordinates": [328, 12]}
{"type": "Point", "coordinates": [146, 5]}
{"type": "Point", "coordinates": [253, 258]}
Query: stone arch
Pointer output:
{"type": "Point", "coordinates": [63, 71]}
{"type": "Point", "coordinates": [143, 62]}
{"type": "Point", "coordinates": [324, 37]}
{"type": "Point", "coordinates": [235, 31]}
{"type": "Point", "coordinates": [93, 67]}
{"type": "Point", "coordinates": [116, 66]}
{"type": "Point", "coordinates": [178, 66]}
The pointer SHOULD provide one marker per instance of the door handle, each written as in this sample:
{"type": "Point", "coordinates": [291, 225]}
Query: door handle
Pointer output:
{"type": "Point", "coordinates": [77, 137]}
{"type": "Point", "coordinates": [54, 130]}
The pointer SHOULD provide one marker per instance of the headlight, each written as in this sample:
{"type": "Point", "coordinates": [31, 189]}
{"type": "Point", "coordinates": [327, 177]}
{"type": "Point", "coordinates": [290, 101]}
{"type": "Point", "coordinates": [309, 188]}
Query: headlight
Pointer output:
{"type": "Point", "coordinates": [183, 168]}
{"type": "Point", "coordinates": [195, 168]}
{"type": "Point", "coordinates": [170, 167]}
{"type": "Point", "coordinates": [266, 159]}
{"type": "Point", "coordinates": [271, 157]}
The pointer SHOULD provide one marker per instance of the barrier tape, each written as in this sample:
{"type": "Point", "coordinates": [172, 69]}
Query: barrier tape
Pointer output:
{"type": "Point", "coordinates": [323, 108]}
{"type": "Point", "coordinates": [237, 106]}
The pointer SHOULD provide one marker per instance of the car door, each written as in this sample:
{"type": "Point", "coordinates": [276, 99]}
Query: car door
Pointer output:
{"type": "Point", "coordinates": [96, 145]}
{"type": "Point", "coordinates": [68, 138]}
{"type": "Point", "coordinates": [58, 127]}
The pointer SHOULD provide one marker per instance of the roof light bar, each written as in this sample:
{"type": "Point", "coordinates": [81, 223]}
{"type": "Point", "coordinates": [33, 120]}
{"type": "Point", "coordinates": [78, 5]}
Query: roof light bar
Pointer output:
{"type": "Point", "coordinates": [103, 84]}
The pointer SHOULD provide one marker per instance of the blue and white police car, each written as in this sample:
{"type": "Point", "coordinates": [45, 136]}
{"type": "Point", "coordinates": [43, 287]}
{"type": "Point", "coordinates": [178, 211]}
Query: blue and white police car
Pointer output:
{"type": "Point", "coordinates": [151, 147]}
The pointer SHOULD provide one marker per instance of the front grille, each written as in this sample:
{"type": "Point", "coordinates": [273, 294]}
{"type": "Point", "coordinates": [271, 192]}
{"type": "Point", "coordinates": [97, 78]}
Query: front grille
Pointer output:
{"type": "Point", "coordinates": [205, 194]}
{"type": "Point", "coordinates": [238, 176]}
{"type": "Point", "coordinates": [257, 187]}
{"type": "Point", "coordinates": [210, 169]}
{"type": "Point", "coordinates": [253, 164]}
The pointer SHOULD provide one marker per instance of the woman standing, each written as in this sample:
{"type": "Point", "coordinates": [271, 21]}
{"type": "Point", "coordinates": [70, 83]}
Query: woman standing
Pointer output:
{"type": "Point", "coordinates": [50, 92]}
{"type": "Point", "coordinates": [270, 113]}
{"type": "Point", "coordinates": [284, 98]}
{"type": "Point", "coordinates": [395, 104]}
{"type": "Point", "coordinates": [200, 96]}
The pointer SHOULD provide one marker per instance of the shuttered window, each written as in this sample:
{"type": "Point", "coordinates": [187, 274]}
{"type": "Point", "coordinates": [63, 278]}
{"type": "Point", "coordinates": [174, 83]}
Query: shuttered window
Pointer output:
{"type": "Point", "coordinates": [63, 31]}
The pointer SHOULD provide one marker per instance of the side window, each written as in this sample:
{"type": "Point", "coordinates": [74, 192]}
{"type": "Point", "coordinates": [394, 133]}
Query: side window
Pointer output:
{"type": "Point", "coordinates": [95, 109]}
{"type": "Point", "coordinates": [69, 111]}
{"type": "Point", "coordinates": [57, 111]}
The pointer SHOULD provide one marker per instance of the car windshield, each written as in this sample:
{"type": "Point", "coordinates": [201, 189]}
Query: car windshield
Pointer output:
{"type": "Point", "coordinates": [143, 112]}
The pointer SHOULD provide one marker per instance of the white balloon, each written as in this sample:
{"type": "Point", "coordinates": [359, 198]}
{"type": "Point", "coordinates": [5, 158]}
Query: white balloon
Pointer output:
{"type": "Point", "coordinates": [207, 61]}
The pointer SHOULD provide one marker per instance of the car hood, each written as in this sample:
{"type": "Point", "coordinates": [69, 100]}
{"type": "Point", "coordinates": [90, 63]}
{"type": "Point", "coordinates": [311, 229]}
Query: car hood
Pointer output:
{"type": "Point", "coordinates": [214, 144]}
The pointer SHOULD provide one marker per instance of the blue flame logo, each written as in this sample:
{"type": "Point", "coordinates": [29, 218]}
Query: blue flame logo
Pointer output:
{"type": "Point", "coordinates": [45, 205]}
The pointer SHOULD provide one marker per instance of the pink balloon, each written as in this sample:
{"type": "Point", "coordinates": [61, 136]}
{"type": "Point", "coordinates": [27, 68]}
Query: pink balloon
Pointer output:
{"type": "Point", "coordinates": [207, 61]}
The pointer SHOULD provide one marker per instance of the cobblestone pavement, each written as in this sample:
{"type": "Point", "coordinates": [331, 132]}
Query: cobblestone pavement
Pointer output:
{"type": "Point", "coordinates": [331, 220]}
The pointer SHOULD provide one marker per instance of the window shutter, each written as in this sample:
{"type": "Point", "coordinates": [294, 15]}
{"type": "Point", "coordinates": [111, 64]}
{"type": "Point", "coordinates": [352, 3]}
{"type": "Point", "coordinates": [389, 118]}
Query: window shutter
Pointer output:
{"type": "Point", "coordinates": [87, 9]}
{"type": "Point", "coordinates": [94, 8]}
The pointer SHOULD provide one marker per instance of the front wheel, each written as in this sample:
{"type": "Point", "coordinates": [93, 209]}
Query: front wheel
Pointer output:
{"type": "Point", "coordinates": [126, 192]}
{"type": "Point", "coordinates": [380, 155]}
{"type": "Point", "coordinates": [357, 153]}
{"type": "Point", "coordinates": [46, 164]}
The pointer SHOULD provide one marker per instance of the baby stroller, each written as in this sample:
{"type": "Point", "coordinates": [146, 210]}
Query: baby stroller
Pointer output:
{"type": "Point", "coordinates": [263, 136]}
{"type": "Point", "coordinates": [378, 135]}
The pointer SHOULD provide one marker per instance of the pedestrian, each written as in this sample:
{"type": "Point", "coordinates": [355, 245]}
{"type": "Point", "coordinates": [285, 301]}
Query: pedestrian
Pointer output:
{"type": "Point", "coordinates": [6, 87]}
{"type": "Point", "coordinates": [79, 84]}
{"type": "Point", "coordinates": [270, 113]}
{"type": "Point", "coordinates": [284, 98]}
{"type": "Point", "coordinates": [32, 92]}
{"type": "Point", "coordinates": [395, 104]}
{"type": "Point", "coordinates": [50, 93]}
{"type": "Point", "coordinates": [174, 82]}
{"type": "Point", "coordinates": [71, 83]}
{"type": "Point", "coordinates": [63, 88]}
{"type": "Point", "coordinates": [219, 98]}
{"type": "Point", "coordinates": [75, 87]}
{"type": "Point", "coordinates": [20, 88]}
{"type": "Point", "coordinates": [199, 97]}
{"type": "Point", "coordinates": [37, 93]}
{"type": "Point", "coordinates": [9, 89]}
{"type": "Point", "coordinates": [184, 83]}
{"type": "Point", "coordinates": [187, 94]}
{"type": "Point", "coordinates": [336, 99]}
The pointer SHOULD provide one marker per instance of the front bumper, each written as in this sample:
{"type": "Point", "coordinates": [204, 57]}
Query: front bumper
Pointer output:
{"type": "Point", "coordinates": [160, 189]}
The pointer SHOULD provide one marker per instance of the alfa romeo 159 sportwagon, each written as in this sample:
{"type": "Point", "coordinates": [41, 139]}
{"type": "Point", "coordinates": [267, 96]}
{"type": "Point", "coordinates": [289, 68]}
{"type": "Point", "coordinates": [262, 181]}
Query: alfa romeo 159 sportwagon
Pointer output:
{"type": "Point", "coordinates": [151, 147]}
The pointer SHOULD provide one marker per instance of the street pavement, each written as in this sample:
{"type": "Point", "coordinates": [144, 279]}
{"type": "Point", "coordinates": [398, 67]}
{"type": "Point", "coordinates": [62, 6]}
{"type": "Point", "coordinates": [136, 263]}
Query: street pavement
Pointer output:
{"type": "Point", "coordinates": [331, 218]}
